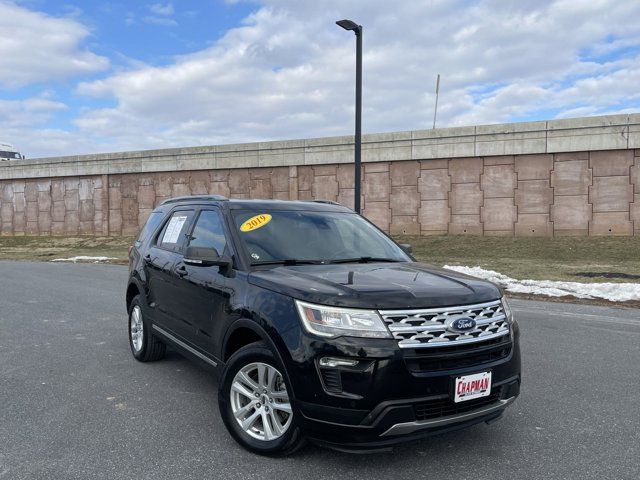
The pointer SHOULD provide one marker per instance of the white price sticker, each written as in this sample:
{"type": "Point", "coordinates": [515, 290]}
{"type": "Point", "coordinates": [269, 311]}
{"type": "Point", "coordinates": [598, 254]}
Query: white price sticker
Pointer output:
{"type": "Point", "coordinates": [174, 228]}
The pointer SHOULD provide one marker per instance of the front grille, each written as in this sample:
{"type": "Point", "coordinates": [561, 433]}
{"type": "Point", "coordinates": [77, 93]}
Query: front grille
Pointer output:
{"type": "Point", "coordinates": [458, 356]}
{"type": "Point", "coordinates": [444, 407]}
{"type": "Point", "coordinates": [429, 327]}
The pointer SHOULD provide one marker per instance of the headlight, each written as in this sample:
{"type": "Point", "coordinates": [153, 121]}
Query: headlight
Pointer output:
{"type": "Point", "coordinates": [336, 321]}
{"type": "Point", "coordinates": [507, 309]}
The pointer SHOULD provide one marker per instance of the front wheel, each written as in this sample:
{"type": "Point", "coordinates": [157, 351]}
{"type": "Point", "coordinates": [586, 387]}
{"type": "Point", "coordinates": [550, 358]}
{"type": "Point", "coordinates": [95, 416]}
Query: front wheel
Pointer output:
{"type": "Point", "coordinates": [255, 403]}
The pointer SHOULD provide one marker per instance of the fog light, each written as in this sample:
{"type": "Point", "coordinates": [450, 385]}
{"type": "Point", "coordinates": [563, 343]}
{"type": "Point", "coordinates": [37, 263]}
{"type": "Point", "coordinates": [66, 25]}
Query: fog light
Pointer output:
{"type": "Point", "coordinates": [337, 362]}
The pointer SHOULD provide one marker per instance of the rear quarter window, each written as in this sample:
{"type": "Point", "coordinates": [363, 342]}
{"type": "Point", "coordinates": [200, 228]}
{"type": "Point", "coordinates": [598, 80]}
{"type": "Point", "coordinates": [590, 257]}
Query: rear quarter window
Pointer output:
{"type": "Point", "coordinates": [153, 222]}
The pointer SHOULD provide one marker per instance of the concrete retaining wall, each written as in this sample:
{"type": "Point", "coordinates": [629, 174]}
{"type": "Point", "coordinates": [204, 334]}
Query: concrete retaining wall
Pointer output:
{"type": "Point", "coordinates": [563, 177]}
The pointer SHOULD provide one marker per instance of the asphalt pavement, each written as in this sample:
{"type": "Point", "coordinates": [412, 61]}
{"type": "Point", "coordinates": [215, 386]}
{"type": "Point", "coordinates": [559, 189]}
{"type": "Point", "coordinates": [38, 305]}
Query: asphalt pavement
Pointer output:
{"type": "Point", "coordinates": [74, 404]}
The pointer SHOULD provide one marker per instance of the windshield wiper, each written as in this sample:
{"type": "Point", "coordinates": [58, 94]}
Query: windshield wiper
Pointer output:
{"type": "Point", "coordinates": [363, 260]}
{"type": "Point", "coordinates": [289, 261]}
{"type": "Point", "coordinates": [294, 261]}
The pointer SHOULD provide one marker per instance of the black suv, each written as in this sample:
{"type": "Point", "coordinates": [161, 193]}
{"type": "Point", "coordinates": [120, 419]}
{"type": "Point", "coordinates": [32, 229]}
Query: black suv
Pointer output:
{"type": "Point", "coordinates": [322, 327]}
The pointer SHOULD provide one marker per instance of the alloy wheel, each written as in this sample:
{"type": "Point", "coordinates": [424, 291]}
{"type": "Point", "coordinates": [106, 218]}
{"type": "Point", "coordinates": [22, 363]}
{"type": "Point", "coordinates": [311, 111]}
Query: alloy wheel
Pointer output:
{"type": "Point", "coordinates": [137, 329]}
{"type": "Point", "coordinates": [260, 402]}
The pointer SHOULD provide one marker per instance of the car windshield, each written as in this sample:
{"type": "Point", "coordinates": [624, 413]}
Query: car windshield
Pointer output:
{"type": "Point", "coordinates": [297, 236]}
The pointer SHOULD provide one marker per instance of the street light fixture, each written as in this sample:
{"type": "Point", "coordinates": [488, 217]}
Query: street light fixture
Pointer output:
{"type": "Point", "coordinates": [357, 29]}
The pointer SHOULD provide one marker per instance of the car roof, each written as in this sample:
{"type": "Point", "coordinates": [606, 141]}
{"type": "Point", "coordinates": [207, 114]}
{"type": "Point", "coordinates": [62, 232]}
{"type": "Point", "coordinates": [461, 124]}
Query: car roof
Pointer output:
{"type": "Point", "coordinates": [259, 204]}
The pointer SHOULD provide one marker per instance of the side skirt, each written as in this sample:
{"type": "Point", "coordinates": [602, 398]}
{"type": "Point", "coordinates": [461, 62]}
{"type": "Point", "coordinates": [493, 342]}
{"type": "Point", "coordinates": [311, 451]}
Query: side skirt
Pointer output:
{"type": "Point", "coordinates": [185, 346]}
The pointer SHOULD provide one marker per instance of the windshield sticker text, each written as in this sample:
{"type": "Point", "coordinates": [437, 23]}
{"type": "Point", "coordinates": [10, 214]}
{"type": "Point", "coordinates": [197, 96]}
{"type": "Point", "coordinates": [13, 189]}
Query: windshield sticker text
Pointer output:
{"type": "Point", "coordinates": [255, 222]}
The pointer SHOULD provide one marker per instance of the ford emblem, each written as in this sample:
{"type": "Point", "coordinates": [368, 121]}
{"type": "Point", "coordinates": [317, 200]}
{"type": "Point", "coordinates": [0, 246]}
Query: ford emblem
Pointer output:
{"type": "Point", "coordinates": [461, 324]}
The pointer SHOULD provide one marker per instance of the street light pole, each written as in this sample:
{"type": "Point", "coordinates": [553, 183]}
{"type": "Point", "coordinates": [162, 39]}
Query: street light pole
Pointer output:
{"type": "Point", "coordinates": [357, 29]}
{"type": "Point", "coordinates": [435, 110]}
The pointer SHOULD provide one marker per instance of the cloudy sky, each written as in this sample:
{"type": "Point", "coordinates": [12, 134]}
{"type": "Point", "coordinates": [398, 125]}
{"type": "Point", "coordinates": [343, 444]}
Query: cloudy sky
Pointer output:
{"type": "Point", "coordinates": [97, 76]}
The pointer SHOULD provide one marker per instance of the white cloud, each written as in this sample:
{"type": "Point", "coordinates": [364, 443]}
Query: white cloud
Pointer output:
{"type": "Point", "coordinates": [24, 123]}
{"type": "Point", "coordinates": [287, 71]}
{"type": "Point", "coordinates": [162, 9]}
{"type": "Point", "coordinates": [161, 15]}
{"type": "Point", "coordinates": [162, 21]}
{"type": "Point", "coordinates": [29, 112]}
{"type": "Point", "coordinates": [36, 47]}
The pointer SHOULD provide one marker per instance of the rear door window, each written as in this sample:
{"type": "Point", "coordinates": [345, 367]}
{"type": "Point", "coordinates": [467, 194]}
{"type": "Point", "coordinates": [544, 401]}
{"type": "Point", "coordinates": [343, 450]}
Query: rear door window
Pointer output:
{"type": "Point", "coordinates": [173, 235]}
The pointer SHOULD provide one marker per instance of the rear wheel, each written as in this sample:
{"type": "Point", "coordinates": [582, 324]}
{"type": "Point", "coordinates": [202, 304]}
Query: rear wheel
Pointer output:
{"type": "Point", "coordinates": [145, 346]}
{"type": "Point", "coordinates": [255, 403]}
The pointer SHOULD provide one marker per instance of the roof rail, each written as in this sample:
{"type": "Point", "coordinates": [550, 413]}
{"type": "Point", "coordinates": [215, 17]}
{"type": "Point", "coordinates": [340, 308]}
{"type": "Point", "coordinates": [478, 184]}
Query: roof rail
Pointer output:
{"type": "Point", "coordinates": [330, 202]}
{"type": "Point", "coordinates": [195, 198]}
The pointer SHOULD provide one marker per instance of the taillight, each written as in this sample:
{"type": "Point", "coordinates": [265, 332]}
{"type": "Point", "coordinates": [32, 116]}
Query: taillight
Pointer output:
{"type": "Point", "coordinates": [130, 248]}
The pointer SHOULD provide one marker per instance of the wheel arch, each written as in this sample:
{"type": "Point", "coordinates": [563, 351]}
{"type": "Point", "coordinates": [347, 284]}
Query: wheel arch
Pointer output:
{"type": "Point", "coordinates": [243, 332]}
{"type": "Point", "coordinates": [133, 288]}
{"type": "Point", "coordinates": [251, 331]}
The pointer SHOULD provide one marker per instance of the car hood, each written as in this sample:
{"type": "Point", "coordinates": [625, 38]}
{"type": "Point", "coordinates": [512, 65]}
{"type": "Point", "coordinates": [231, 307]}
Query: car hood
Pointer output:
{"type": "Point", "coordinates": [376, 285]}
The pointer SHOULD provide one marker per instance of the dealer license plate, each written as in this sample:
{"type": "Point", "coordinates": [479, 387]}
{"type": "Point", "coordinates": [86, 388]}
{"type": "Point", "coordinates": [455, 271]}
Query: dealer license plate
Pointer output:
{"type": "Point", "coordinates": [468, 387]}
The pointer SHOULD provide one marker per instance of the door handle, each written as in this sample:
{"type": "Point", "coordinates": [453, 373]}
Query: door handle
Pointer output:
{"type": "Point", "coordinates": [181, 271]}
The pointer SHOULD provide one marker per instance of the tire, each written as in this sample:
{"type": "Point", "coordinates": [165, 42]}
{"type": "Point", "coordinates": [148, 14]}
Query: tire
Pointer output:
{"type": "Point", "coordinates": [248, 360]}
{"type": "Point", "coordinates": [147, 347]}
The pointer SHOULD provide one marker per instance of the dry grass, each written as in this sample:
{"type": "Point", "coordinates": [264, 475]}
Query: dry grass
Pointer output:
{"type": "Point", "coordinates": [48, 248]}
{"type": "Point", "coordinates": [559, 258]}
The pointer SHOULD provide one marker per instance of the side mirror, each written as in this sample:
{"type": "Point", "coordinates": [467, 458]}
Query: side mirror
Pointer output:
{"type": "Point", "coordinates": [205, 257]}
{"type": "Point", "coordinates": [407, 248]}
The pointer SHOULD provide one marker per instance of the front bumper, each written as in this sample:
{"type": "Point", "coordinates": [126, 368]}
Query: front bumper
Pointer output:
{"type": "Point", "coordinates": [419, 425]}
{"type": "Point", "coordinates": [396, 422]}
{"type": "Point", "coordinates": [385, 400]}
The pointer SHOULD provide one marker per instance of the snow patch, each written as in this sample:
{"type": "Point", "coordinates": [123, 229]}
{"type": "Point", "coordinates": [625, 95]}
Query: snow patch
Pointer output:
{"type": "Point", "coordinates": [615, 292]}
{"type": "Point", "coordinates": [84, 258]}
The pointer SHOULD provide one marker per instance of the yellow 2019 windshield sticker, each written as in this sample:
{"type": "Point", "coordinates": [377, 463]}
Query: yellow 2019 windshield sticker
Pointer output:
{"type": "Point", "coordinates": [255, 222]}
